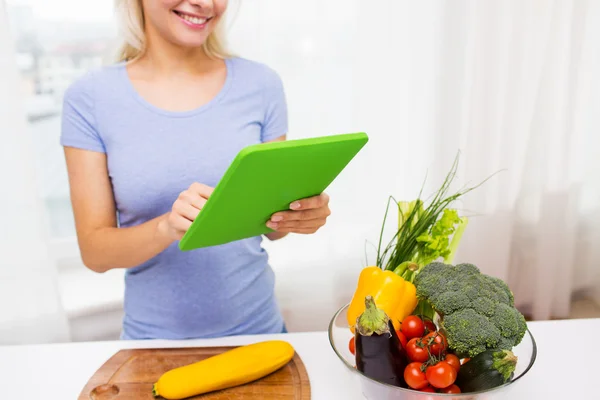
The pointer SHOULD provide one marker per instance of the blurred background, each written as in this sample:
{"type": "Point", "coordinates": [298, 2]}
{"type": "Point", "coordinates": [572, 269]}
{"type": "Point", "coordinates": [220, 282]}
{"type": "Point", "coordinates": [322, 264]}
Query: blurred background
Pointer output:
{"type": "Point", "coordinates": [511, 84]}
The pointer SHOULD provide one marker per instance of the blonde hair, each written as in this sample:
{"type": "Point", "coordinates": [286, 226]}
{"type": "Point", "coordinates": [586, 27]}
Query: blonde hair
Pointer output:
{"type": "Point", "coordinates": [131, 20]}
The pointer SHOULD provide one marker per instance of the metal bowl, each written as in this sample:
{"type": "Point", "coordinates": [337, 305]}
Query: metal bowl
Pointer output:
{"type": "Point", "coordinates": [340, 335]}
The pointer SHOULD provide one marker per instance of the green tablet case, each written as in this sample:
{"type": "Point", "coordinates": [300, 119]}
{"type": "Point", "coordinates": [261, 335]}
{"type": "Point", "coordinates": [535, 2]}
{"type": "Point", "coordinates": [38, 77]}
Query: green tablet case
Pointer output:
{"type": "Point", "coordinates": [266, 178]}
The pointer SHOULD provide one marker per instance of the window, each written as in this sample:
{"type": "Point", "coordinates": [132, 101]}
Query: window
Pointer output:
{"type": "Point", "coordinates": [56, 42]}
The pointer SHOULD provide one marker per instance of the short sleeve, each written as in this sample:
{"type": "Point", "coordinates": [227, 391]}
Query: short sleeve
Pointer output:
{"type": "Point", "coordinates": [79, 127]}
{"type": "Point", "coordinates": [276, 114]}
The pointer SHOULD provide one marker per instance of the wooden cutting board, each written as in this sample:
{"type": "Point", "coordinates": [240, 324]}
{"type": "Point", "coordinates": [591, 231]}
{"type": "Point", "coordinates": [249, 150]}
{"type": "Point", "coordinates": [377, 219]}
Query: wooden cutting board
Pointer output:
{"type": "Point", "coordinates": [130, 374]}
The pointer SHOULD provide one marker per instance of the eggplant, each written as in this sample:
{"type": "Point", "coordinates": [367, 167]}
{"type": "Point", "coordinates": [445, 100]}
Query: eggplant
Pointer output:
{"type": "Point", "coordinates": [379, 353]}
{"type": "Point", "coordinates": [486, 370]}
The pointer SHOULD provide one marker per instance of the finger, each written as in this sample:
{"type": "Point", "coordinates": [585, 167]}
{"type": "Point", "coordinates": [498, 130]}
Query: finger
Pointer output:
{"type": "Point", "coordinates": [193, 199]}
{"type": "Point", "coordinates": [179, 223]}
{"type": "Point", "coordinates": [201, 189]}
{"type": "Point", "coordinates": [186, 210]}
{"type": "Point", "coordinates": [311, 202]}
{"type": "Point", "coordinates": [301, 215]}
{"type": "Point", "coordinates": [294, 225]}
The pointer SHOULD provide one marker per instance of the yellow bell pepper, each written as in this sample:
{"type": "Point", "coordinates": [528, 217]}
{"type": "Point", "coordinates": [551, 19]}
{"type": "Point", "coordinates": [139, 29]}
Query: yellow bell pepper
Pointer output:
{"type": "Point", "coordinates": [392, 294]}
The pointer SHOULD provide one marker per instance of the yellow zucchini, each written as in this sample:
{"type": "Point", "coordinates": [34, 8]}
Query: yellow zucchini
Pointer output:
{"type": "Point", "coordinates": [232, 368]}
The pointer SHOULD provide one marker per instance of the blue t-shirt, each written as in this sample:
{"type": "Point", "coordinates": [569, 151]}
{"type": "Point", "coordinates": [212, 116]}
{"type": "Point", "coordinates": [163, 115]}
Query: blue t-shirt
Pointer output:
{"type": "Point", "coordinates": [152, 156]}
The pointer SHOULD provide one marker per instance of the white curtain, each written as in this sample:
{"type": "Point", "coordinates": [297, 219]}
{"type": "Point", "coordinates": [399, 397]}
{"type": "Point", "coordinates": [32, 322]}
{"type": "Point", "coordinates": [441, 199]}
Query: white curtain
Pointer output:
{"type": "Point", "coordinates": [512, 84]}
{"type": "Point", "coordinates": [518, 90]}
{"type": "Point", "coordinates": [30, 307]}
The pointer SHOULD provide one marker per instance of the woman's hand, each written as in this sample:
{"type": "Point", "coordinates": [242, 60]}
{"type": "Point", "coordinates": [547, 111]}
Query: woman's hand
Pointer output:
{"type": "Point", "coordinates": [307, 216]}
{"type": "Point", "coordinates": [185, 209]}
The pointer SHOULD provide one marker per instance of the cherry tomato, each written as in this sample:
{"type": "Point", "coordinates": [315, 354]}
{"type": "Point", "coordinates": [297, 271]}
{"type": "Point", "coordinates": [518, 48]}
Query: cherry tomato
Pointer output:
{"type": "Point", "coordinates": [429, 326]}
{"type": "Point", "coordinates": [412, 326]}
{"type": "Point", "coordinates": [453, 360]}
{"type": "Point", "coordinates": [441, 375]}
{"type": "Point", "coordinates": [402, 338]}
{"type": "Point", "coordinates": [437, 343]}
{"type": "Point", "coordinates": [352, 345]}
{"type": "Point", "coordinates": [414, 376]}
{"type": "Point", "coordinates": [416, 351]}
{"type": "Point", "coordinates": [428, 389]}
{"type": "Point", "coordinates": [451, 389]}
{"type": "Point", "coordinates": [464, 361]}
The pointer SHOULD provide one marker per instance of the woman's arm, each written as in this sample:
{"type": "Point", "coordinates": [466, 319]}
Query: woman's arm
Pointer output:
{"type": "Point", "coordinates": [103, 245]}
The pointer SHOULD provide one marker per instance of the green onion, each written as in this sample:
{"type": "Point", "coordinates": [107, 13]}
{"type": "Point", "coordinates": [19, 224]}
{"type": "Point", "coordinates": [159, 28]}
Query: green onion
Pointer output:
{"type": "Point", "coordinates": [423, 233]}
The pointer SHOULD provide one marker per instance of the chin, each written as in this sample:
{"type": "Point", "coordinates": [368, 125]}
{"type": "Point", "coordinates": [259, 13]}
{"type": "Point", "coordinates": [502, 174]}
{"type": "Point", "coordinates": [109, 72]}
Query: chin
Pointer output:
{"type": "Point", "coordinates": [188, 42]}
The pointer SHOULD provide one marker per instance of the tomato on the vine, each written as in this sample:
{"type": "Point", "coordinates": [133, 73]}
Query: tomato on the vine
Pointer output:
{"type": "Point", "coordinates": [429, 326]}
{"type": "Point", "coordinates": [451, 389]}
{"type": "Point", "coordinates": [416, 351]}
{"type": "Point", "coordinates": [352, 345]}
{"type": "Point", "coordinates": [453, 360]}
{"type": "Point", "coordinates": [441, 375]}
{"type": "Point", "coordinates": [415, 376]}
{"type": "Point", "coordinates": [412, 326]}
{"type": "Point", "coordinates": [436, 342]}
{"type": "Point", "coordinates": [402, 338]}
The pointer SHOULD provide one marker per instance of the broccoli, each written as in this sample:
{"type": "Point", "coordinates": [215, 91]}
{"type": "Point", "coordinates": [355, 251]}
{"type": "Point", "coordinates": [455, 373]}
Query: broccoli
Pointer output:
{"type": "Point", "coordinates": [476, 310]}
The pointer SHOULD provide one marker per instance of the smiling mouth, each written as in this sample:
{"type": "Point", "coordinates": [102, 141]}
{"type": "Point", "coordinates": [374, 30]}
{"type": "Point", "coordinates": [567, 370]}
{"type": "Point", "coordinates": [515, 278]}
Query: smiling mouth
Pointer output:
{"type": "Point", "coordinates": [192, 19]}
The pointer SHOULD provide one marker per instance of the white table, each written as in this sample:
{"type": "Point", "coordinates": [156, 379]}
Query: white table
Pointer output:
{"type": "Point", "coordinates": [59, 371]}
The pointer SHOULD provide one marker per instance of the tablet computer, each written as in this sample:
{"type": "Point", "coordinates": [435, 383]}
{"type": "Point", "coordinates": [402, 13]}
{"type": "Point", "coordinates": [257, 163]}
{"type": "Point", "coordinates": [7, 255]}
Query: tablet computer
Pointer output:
{"type": "Point", "coordinates": [266, 178]}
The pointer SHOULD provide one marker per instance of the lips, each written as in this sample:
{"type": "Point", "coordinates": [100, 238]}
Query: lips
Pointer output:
{"type": "Point", "coordinates": [191, 19]}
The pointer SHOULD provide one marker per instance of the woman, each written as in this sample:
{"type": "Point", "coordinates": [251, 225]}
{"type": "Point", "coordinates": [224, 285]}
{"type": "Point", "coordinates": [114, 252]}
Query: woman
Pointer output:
{"type": "Point", "coordinates": [145, 142]}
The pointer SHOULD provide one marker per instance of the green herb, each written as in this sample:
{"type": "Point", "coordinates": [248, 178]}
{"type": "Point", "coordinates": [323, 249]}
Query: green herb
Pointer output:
{"type": "Point", "coordinates": [424, 234]}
